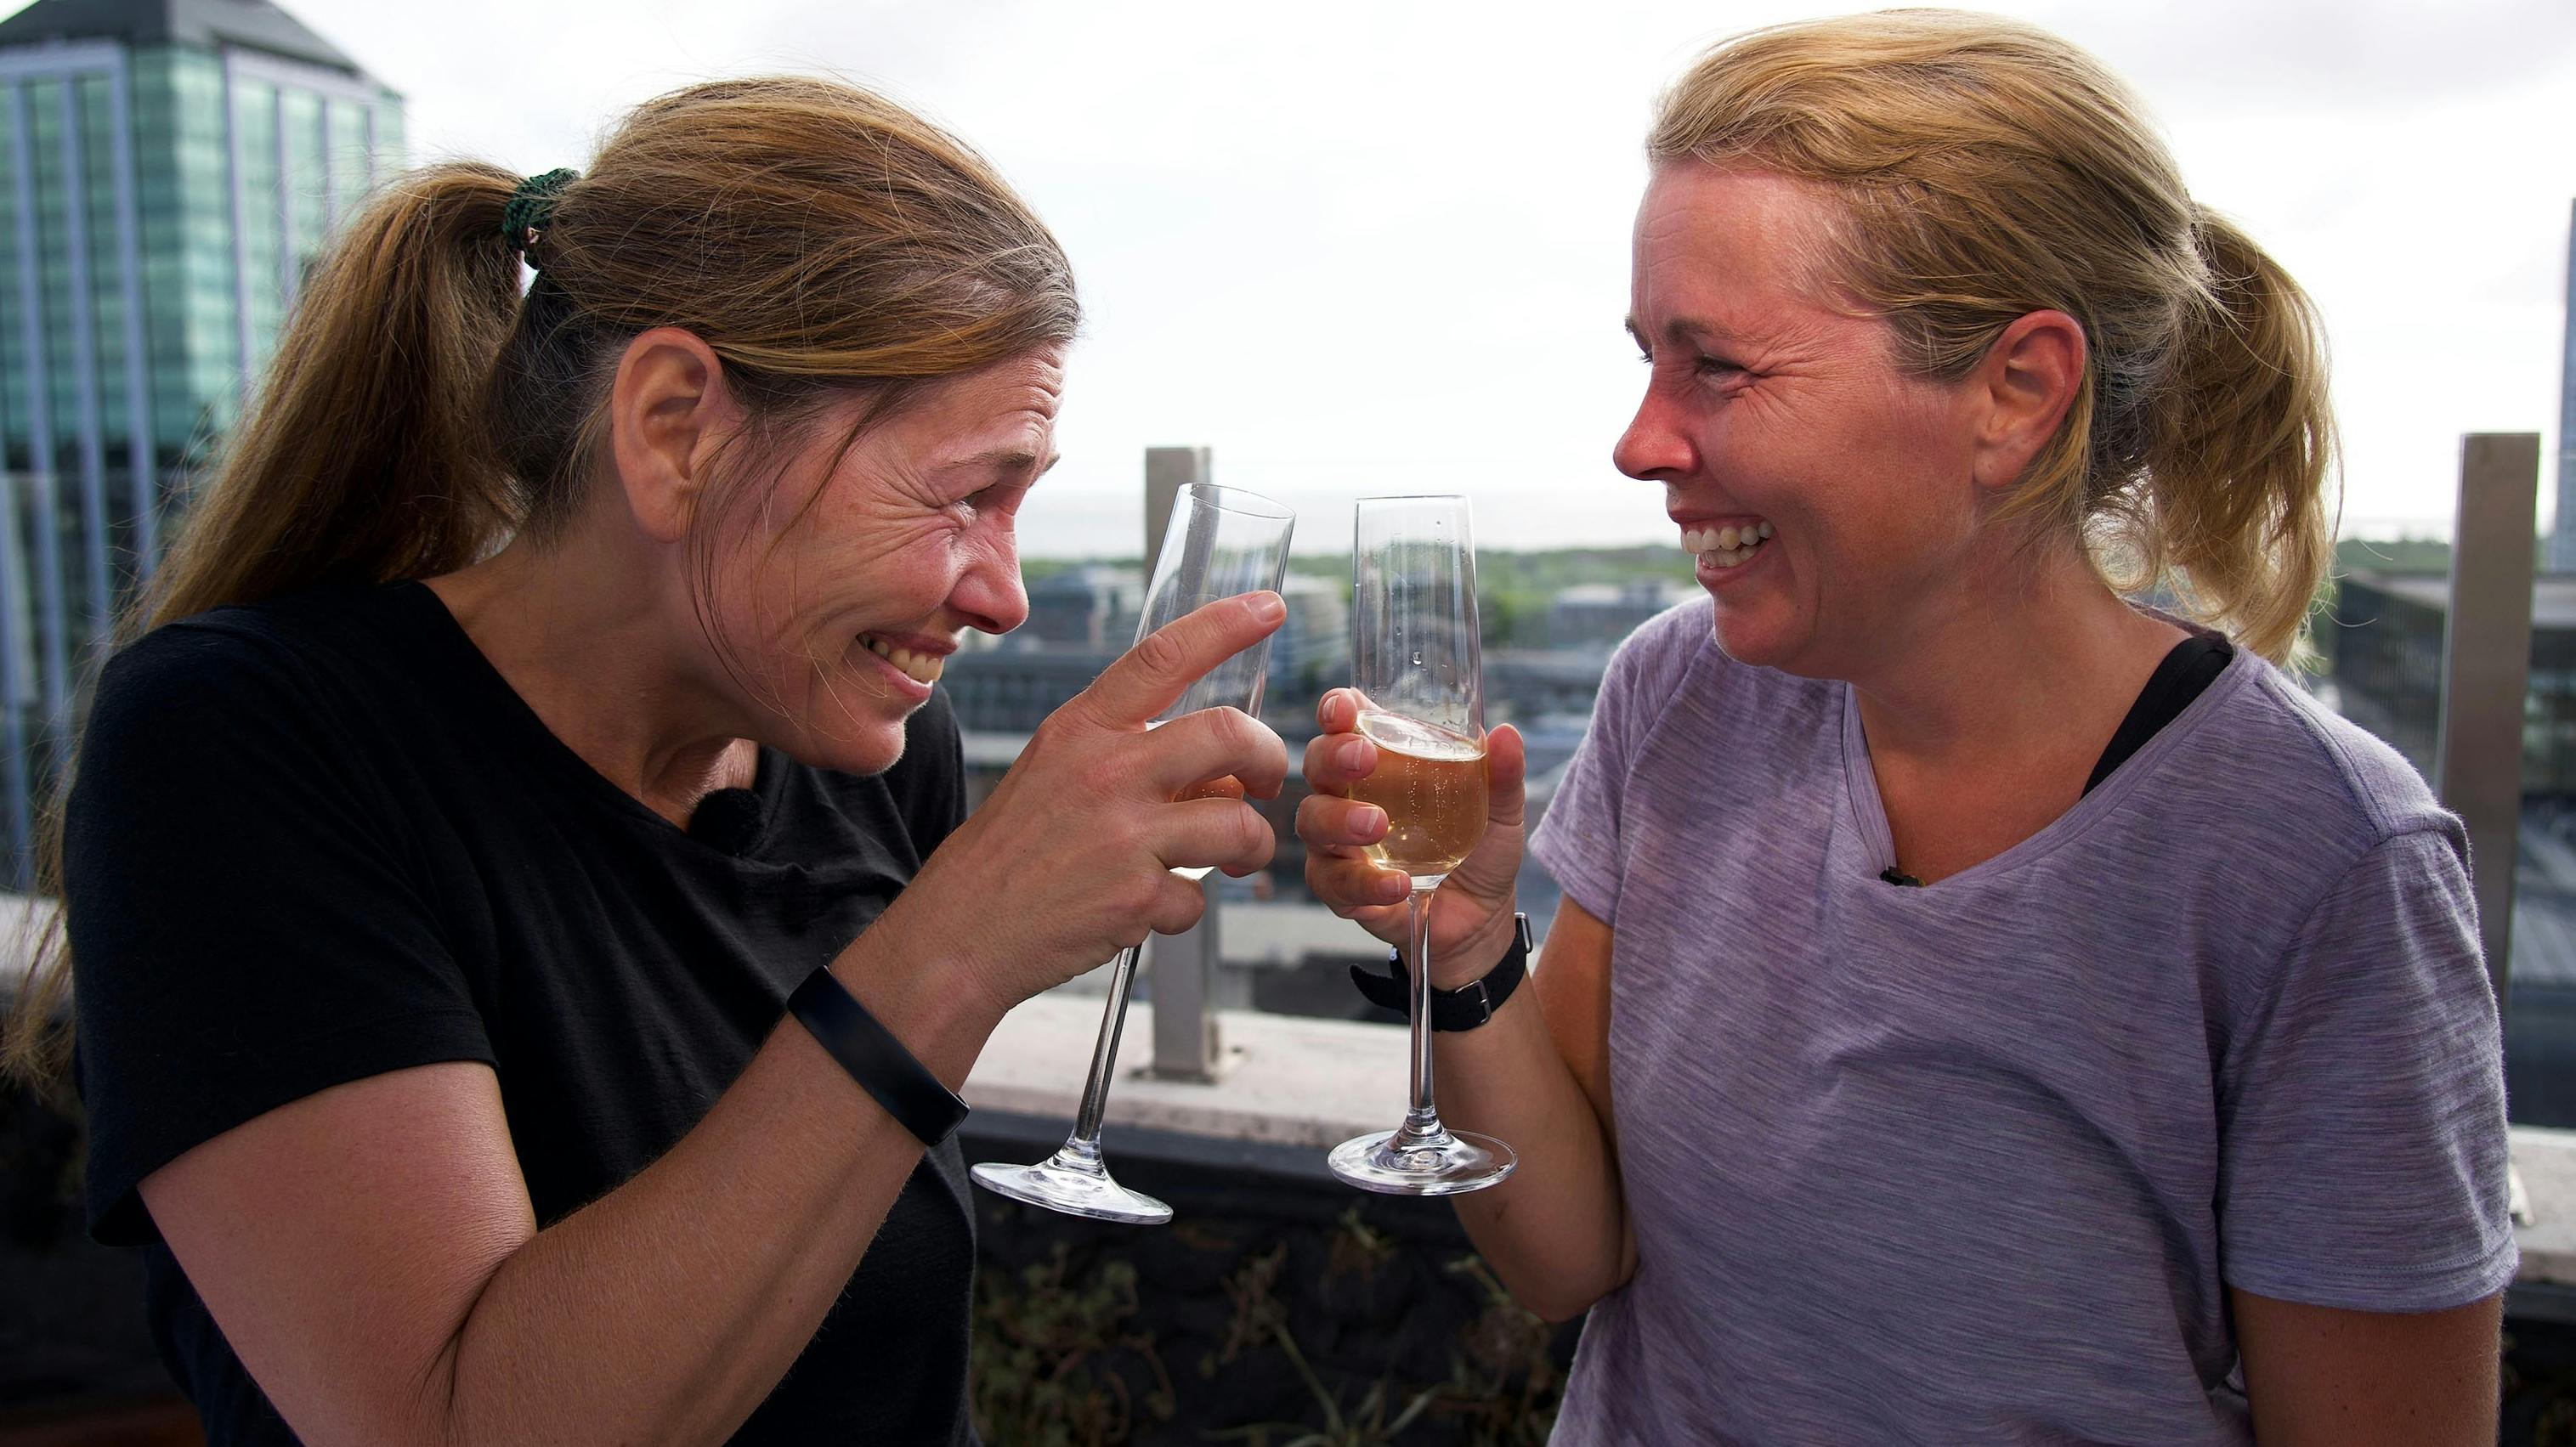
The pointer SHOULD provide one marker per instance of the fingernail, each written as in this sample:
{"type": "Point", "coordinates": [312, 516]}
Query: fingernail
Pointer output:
{"type": "Point", "coordinates": [1268, 607]}
{"type": "Point", "coordinates": [1353, 756]}
{"type": "Point", "coordinates": [1394, 887]}
{"type": "Point", "coordinates": [1369, 818]}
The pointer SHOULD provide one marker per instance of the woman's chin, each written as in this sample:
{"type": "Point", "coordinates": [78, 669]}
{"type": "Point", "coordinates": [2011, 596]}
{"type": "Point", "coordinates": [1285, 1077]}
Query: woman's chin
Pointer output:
{"type": "Point", "coordinates": [1752, 638]}
{"type": "Point", "coordinates": [853, 746]}
{"type": "Point", "coordinates": [852, 759]}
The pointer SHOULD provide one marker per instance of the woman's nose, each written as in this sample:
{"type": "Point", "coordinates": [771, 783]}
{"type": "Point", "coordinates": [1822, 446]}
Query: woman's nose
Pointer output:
{"type": "Point", "coordinates": [990, 597]}
{"type": "Point", "coordinates": [1654, 446]}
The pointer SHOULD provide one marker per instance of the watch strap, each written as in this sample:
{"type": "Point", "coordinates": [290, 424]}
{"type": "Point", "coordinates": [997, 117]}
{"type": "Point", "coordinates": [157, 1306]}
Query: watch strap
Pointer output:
{"type": "Point", "coordinates": [1464, 1008]}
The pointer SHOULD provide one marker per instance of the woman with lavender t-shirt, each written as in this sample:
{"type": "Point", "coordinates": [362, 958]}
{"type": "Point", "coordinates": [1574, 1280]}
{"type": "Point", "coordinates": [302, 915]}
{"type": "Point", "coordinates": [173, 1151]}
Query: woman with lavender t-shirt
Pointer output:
{"type": "Point", "coordinates": [1983, 1009]}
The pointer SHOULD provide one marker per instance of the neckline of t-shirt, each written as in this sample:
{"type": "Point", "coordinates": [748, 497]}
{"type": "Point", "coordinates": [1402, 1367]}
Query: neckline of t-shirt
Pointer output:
{"type": "Point", "coordinates": [512, 712]}
{"type": "Point", "coordinates": [1860, 779]}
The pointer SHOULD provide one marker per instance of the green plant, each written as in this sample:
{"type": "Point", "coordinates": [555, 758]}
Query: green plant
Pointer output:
{"type": "Point", "coordinates": [1504, 1382]}
{"type": "Point", "coordinates": [1358, 1248]}
{"type": "Point", "coordinates": [1260, 1315]}
{"type": "Point", "coordinates": [1049, 1353]}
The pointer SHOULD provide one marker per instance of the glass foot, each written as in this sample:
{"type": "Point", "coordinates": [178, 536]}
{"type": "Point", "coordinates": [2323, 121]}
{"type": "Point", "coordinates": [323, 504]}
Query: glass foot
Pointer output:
{"type": "Point", "coordinates": [1449, 1163]}
{"type": "Point", "coordinates": [1077, 1188]}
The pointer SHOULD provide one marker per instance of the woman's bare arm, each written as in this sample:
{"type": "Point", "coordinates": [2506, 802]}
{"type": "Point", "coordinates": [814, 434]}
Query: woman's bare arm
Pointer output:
{"type": "Point", "coordinates": [1538, 1077]}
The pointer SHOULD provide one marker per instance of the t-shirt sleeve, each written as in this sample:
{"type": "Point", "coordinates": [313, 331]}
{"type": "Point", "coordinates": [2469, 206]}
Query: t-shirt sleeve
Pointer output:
{"type": "Point", "coordinates": [244, 929]}
{"type": "Point", "coordinates": [1578, 840]}
{"type": "Point", "coordinates": [2361, 1109]}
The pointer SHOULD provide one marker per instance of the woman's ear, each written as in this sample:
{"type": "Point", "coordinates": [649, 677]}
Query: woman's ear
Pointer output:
{"type": "Point", "coordinates": [666, 409]}
{"type": "Point", "coordinates": [2025, 385]}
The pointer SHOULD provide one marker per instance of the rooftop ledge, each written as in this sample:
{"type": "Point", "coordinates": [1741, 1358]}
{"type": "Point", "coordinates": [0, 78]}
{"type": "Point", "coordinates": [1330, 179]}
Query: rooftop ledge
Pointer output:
{"type": "Point", "coordinates": [1287, 1081]}
{"type": "Point", "coordinates": [1308, 1084]}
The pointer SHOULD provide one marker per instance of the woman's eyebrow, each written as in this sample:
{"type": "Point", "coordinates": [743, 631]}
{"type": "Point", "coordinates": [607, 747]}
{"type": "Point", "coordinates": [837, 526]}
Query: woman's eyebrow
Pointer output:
{"type": "Point", "coordinates": [1011, 459]}
{"type": "Point", "coordinates": [1685, 329]}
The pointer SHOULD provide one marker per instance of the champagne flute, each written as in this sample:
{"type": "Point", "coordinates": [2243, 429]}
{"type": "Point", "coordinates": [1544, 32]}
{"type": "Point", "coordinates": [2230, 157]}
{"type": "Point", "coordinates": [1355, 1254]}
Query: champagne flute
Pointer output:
{"type": "Point", "coordinates": [1422, 702]}
{"type": "Point", "coordinates": [1220, 541]}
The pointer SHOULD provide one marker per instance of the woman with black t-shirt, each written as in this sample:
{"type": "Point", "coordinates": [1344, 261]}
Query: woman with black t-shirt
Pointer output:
{"type": "Point", "coordinates": [538, 701]}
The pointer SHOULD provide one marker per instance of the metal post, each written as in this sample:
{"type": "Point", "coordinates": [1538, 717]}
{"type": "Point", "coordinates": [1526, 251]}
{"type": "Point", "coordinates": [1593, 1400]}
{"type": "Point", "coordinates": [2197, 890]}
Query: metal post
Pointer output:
{"type": "Point", "coordinates": [1186, 1046]}
{"type": "Point", "coordinates": [2486, 665]}
{"type": "Point", "coordinates": [1185, 1031]}
{"type": "Point", "coordinates": [1167, 471]}
{"type": "Point", "coordinates": [2562, 547]}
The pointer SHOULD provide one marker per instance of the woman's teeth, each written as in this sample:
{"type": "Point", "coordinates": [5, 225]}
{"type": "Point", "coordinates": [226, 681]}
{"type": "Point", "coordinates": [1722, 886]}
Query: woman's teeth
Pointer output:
{"type": "Point", "coordinates": [1725, 547]}
{"type": "Point", "coordinates": [919, 667]}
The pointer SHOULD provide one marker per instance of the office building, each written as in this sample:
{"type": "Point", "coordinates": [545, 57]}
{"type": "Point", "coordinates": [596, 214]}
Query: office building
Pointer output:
{"type": "Point", "coordinates": [2384, 647]}
{"type": "Point", "coordinates": [1600, 616]}
{"type": "Point", "coordinates": [169, 170]}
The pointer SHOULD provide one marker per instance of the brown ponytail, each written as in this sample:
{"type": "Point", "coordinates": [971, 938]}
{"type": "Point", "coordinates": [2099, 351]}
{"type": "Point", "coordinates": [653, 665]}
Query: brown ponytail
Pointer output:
{"type": "Point", "coordinates": [1987, 170]}
{"type": "Point", "coordinates": [363, 458]}
{"type": "Point", "coordinates": [820, 239]}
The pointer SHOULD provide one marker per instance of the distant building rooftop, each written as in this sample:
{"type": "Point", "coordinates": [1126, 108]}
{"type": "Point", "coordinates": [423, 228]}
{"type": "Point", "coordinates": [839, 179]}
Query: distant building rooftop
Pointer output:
{"type": "Point", "coordinates": [2553, 595]}
{"type": "Point", "coordinates": [1657, 591]}
{"type": "Point", "coordinates": [213, 24]}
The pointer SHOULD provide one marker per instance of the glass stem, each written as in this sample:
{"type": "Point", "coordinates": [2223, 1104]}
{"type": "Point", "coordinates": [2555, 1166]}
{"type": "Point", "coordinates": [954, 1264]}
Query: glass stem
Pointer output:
{"type": "Point", "coordinates": [1421, 1123]}
{"type": "Point", "coordinates": [1083, 1146]}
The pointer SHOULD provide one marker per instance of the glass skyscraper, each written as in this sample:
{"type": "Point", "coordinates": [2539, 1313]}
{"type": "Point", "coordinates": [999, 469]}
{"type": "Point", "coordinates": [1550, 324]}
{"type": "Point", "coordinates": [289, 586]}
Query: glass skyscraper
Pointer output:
{"type": "Point", "coordinates": [172, 169]}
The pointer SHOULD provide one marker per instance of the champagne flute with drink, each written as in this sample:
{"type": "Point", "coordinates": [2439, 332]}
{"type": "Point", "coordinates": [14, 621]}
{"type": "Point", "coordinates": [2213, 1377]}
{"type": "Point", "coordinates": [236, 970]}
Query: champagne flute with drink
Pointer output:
{"type": "Point", "coordinates": [1416, 666]}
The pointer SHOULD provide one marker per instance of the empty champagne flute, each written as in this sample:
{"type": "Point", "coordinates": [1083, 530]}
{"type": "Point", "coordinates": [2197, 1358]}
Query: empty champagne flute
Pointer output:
{"type": "Point", "coordinates": [1221, 541]}
{"type": "Point", "coordinates": [1415, 661]}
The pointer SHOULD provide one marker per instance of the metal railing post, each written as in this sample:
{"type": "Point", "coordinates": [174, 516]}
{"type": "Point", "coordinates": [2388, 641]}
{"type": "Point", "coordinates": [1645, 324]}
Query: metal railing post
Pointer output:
{"type": "Point", "coordinates": [1184, 965]}
{"type": "Point", "coordinates": [2486, 667]}
{"type": "Point", "coordinates": [1167, 471]}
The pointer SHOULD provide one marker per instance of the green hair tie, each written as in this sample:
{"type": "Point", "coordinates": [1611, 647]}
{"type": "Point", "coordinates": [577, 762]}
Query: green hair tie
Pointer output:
{"type": "Point", "coordinates": [532, 208]}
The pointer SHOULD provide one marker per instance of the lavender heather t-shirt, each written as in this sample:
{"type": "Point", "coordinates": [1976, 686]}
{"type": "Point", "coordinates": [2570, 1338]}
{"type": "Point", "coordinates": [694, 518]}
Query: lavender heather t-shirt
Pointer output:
{"type": "Point", "coordinates": [1977, 1162]}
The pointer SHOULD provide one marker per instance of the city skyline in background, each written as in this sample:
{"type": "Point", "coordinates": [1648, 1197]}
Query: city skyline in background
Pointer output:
{"type": "Point", "coordinates": [1367, 249]}
{"type": "Point", "coordinates": [169, 172]}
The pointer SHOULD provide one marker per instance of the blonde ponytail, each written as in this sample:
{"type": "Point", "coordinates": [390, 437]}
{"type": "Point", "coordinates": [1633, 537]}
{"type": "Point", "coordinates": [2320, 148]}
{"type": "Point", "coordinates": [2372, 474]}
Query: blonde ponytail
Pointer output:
{"type": "Point", "coordinates": [2241, 442]}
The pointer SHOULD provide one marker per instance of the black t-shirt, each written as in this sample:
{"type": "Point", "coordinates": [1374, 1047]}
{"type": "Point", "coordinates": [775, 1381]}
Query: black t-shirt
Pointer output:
{"type": "Point", "coordinates": [321, 838]}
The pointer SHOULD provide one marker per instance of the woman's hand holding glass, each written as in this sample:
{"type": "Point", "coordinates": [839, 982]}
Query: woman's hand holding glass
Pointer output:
{"type": "Point", "coordinates": [1071, 858]}
{"type": "Point", "coordinates": [1471, 912]}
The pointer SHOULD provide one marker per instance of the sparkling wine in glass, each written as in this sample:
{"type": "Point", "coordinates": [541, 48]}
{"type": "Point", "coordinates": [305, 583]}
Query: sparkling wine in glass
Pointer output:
{"type": "Point", "coordinates": [1221, 541]}
{"type": "Point", "coordinates": [1422, 702]}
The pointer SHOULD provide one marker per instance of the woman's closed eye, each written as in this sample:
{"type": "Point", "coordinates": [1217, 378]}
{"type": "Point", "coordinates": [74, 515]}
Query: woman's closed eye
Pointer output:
{"type": "Point", "coordinates": [1700, 361]}
{"type": "Point", "coordinates": [1714, 369]}
{"type": "Point", "coordinates": [1001, 497]}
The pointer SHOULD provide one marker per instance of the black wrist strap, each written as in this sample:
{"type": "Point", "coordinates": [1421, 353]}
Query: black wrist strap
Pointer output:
{"type": "Point", "coordinates": [1464, 1008]}
{"type": "Point", "coordinates": [875, 1059]}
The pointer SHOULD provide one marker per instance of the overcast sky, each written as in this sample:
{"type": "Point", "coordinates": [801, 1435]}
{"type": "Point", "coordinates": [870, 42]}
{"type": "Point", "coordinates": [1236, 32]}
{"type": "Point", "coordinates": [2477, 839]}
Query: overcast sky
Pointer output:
{"type": "Point", "coordinates": [1383, 246]}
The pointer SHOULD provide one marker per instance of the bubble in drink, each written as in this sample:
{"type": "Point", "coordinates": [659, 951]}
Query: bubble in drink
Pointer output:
{"type": "Point", "coordinates": [1431, 783]}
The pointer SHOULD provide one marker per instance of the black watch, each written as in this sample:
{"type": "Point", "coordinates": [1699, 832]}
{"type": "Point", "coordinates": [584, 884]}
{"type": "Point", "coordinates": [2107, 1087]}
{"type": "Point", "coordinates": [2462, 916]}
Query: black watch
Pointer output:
{"type": "Point", "coordinates": [1464, 1008]}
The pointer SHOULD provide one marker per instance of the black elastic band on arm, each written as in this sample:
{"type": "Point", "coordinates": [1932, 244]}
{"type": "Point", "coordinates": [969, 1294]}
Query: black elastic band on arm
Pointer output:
{"type": "Point", "coordinates": [875, 1059]}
